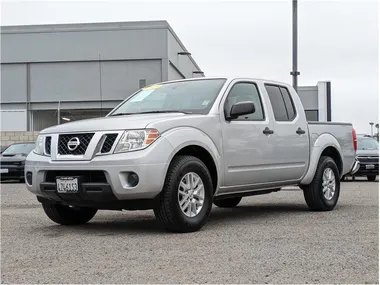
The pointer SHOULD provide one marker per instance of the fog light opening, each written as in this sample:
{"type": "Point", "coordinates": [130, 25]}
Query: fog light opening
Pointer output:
{"type": "Point", "coordinates": [132, 179]}
{"type": "Point", "coordinates": [29, 178]}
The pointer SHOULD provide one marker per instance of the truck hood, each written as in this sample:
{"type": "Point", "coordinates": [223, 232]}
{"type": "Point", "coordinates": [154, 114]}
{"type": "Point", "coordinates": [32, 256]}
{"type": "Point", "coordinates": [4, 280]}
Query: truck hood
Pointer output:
{"type": "Point", "coordinates": [139, 121]}
{"type": "Point", "coordinates": [367, 152]}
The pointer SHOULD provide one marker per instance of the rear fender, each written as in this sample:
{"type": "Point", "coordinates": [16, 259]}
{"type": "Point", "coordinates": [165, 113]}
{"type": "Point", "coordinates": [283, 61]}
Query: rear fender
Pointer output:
{"type": "Point", "coordinates": [320, 144]}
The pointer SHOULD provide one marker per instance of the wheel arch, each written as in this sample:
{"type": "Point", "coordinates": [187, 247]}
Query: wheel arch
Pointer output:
{"type": "Point", "coordinates": [200, 146]}
{"type": "Point", "coordinates": [324, 145]}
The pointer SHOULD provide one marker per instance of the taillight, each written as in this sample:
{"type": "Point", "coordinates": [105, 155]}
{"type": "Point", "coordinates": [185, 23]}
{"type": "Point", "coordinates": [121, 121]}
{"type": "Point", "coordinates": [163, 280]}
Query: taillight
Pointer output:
{"type": "Point", "coordinates": [354, 139]}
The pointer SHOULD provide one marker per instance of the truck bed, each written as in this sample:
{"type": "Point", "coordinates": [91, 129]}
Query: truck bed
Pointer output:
{"type": "Point", "coordinates": [342, 132]}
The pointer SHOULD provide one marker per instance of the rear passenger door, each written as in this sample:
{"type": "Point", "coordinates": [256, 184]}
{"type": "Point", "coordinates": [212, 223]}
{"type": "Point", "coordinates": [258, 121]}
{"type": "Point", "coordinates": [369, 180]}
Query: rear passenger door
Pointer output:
{"type": "Point", "coordinates": [290, 133]}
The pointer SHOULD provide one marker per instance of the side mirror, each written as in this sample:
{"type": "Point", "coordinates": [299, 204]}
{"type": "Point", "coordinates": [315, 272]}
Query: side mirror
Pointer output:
{"type": "Point", "coordinates": [241, 108]}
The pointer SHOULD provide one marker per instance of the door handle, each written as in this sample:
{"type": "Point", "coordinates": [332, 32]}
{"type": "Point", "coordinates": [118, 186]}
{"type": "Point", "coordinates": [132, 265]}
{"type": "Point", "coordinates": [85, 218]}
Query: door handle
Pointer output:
{"type": "Point", "coordinates": [300, 131]}
{"type": "Point", "coordinates": [268, 131]}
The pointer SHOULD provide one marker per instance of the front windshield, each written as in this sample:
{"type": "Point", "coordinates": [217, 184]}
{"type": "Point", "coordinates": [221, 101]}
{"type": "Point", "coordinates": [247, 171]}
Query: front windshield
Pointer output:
{"type": "Point", "coordinates": [24, 148]}
{"type": "Point", "coordinates": [193, 96]}
{"type": "Point", "coordinates": [368, 144]}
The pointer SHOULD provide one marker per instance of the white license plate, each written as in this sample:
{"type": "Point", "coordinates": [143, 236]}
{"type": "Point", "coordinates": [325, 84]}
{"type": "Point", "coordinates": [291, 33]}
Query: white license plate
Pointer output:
{"type": "Point", "coordinates": [370, 166]}
{"type": "Point", "coordinates": [67, 185]}
{"type": "Point", "coordinates": [4, 170]}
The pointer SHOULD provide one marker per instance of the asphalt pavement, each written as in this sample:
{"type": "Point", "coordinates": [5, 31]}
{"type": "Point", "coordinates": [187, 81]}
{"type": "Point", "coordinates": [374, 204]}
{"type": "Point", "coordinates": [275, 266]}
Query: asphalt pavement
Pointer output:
{"type": "Point", "coordinates": [271, 238]}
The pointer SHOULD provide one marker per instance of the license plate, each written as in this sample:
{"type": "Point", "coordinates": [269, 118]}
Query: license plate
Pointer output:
{"type": "Point", "coordinates": [4, 170]}
{"type": "Point", "coordinates": [67, 185]}
{"type": "Point", "coordinates": [370, 166]}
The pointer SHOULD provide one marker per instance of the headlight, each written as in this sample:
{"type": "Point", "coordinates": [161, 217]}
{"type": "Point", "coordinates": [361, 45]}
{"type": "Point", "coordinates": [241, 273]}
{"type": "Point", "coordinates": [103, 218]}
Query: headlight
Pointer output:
{"type": "Point", "coordinates": [39, 148]}
{"type": "Point", "coordinates": [136, 140]}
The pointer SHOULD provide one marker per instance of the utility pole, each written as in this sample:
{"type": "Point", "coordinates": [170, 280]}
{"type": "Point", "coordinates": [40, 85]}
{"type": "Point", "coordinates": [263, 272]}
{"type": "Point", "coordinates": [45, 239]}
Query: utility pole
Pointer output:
{"type": "Point", "coordinates": [59, 113]}
{"type": "Point", "coordinates": [294, 73]}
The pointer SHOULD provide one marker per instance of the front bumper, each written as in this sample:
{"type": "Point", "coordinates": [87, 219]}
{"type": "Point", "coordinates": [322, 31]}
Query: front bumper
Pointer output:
{"type": "Point", "coordinates": [12, 172]}
{"type": "Point", "coordinates": [368, 167]}
{"type": "Point", "coordinates": [150, 165]}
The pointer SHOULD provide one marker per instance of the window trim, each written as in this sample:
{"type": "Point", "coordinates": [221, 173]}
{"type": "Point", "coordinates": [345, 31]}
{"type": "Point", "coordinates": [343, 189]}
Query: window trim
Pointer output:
{"type": "Point", "coordinates": [282, 96]}
{"type": "Point", "coordinates": [260, 98]}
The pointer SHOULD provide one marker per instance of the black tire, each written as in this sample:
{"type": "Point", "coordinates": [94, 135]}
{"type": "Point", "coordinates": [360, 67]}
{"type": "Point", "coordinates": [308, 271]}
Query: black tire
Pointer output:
{"type": "Point", "coordinates": [313, 192]}
{"type": "Point", "coordinates": [66, 215]}
{"type": "Point", "coordinates": [167, 209]}
{"type": "Point", "coordinates": [228, 202]}
{"type": "Point", "coordinates": [371, 177]}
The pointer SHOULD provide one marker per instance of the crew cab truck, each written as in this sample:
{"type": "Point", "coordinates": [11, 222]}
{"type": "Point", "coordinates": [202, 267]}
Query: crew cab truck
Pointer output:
{"type": "Point", "coordinates": [178, 147]}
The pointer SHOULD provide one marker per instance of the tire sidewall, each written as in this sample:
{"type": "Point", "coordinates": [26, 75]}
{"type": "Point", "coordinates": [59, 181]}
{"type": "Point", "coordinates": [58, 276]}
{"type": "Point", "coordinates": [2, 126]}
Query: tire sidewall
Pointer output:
{"type": "Point", "coordinates": [329, 163]}
{"type": "Point", "coordinates": [200, 169]}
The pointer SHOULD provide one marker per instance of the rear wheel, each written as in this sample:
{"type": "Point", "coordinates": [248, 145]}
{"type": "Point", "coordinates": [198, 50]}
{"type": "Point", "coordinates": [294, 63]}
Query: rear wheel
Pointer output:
{"type": "Point", "coordinates": [66, 215]}
{"type": "Point", "coordinates": [186, 199]}
{"type": "Point", "coordinates": [323, 192]}
{"type": "Point", "coordinates": [227, 203]}
{"type": "Point", "coordinates": [371, 177]}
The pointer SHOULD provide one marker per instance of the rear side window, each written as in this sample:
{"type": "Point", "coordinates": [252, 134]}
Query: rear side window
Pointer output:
{"type": "Point", "coordinates": [277, 102]}
{"type": "Point", "coordinates": [282, 103]}
{"type": "Point", "coordinates": [288, 103]}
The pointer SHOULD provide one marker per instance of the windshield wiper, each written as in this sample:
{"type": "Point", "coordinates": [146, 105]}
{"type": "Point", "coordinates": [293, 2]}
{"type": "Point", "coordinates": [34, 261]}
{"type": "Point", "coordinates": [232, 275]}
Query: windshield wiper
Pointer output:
{"type": "Point", "coordinates": [152, 112]}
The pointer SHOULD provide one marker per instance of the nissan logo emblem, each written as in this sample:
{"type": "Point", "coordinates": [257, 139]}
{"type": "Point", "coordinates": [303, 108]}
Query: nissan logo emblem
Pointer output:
{"type": "Point", "coordinates": [73, 143]}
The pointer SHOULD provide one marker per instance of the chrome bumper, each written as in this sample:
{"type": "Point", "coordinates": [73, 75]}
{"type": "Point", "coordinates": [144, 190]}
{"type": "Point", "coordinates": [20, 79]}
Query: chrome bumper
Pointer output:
{"type": "Point", "coordinates": [355, 167]}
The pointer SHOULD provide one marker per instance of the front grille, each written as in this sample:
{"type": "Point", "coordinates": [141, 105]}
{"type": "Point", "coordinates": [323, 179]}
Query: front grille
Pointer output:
{"type": "Point", "coordinates": [47, 145]}
{"type": "Point", "coordinates": [10, 163]}
{"type": "Point", "coordinates": [108, 143]}
{"type": "Point", "coordinates": [94, 176]}
{"type": "Point", "coordinates": [84, 141]}
{"type": "Point", "coordinates": [368, 159]}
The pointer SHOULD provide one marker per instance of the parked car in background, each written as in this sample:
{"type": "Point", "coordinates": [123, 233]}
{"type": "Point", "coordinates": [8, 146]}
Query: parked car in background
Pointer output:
{"type": "Point", "coordinates": [368, 156]}
{"type": "Point", "coordinates": [12, 160]}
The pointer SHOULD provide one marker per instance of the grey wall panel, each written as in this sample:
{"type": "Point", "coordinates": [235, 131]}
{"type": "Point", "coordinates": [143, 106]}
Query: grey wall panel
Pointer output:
{"type": "Point", "coordinates": [309, 97]}
{"type": "Point", "coordinates": [174, 74]}
{"type": "Point", "coordinates": [182, 62]}
{"type": "Point", "coordinates": [122, 78]}
{"type": "Point", "coordinates": [83, 45]}
{"type": "Point", "coordinates": [13, 83]}
{"type": "Point", "coordinates": [80, 81]}
{"type": "Point", "coordinates": [71, 81]}
{"type": "Point", "coordinates": [13, 120]}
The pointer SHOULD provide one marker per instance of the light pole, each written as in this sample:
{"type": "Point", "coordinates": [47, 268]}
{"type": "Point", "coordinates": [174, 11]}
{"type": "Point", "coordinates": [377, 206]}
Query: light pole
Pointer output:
{"type": "Point", "coordinates": [371, 124]}
{"type": "Point", "coordinates": [294, 73]}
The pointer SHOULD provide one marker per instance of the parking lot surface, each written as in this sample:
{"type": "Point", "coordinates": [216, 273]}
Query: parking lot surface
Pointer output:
{"type": "Point", "coordinates": [266, 239]}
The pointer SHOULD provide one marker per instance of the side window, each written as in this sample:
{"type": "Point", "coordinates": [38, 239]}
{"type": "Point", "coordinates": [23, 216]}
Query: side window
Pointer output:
{"type": "Point", "coordinates": [277, 102]}
{"type": "Point", "coordinates": [288, 103]}
{"type": "Point", "coordinates": [245, 91]}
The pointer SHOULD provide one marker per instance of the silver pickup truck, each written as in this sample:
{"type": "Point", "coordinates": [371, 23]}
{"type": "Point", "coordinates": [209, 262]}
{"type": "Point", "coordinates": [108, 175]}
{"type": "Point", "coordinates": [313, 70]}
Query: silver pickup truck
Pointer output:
{"type": "Point", "coordinates": [178, 147]}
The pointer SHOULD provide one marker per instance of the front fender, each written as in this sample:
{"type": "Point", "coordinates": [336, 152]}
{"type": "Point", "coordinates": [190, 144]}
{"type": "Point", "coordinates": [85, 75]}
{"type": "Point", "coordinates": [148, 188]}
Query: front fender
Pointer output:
{"type": "Point", "coordinates": [320, 144]}
{"type": "Point", "coordinates": [187, 136]}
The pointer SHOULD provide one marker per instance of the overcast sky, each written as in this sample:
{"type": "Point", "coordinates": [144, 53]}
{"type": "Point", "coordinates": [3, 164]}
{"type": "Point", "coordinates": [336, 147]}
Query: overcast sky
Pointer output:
{"type": "Point", "coordinates": [338, 40]}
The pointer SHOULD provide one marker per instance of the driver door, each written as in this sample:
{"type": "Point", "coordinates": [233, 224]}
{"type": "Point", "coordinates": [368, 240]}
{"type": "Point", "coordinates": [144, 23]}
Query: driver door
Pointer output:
{"type": "Point", "coordinates": [248, 152]}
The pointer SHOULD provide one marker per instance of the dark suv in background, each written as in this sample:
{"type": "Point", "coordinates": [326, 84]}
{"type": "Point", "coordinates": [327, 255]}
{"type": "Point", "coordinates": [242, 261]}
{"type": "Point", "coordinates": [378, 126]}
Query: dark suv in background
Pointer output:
{"type": "Point", "coordinates": [368, 156]}
{"type": "Point", "coordinates": [12, 161]}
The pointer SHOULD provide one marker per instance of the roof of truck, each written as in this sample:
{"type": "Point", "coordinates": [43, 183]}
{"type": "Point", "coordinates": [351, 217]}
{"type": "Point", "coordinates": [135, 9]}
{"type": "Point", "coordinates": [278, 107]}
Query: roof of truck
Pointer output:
{"type": "Point", "coordinates": [229, 78]}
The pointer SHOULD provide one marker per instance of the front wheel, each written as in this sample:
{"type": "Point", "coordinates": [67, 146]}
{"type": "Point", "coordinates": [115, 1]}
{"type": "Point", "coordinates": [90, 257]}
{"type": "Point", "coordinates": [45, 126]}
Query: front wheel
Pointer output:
{"type": "Point", "coordinates": [371, 177]}
{"type": "Point", "coordinates": [66, 215]}
{"type": "Point", "coordinates": [185, 201]}
{"type": "Point", "coordinates": [323, 192]}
